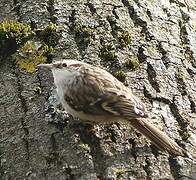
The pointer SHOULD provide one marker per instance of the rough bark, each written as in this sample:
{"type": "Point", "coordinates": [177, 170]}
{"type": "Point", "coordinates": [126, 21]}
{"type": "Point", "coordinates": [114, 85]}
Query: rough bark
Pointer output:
{"type": "Point", "coordinates": [38, 141]}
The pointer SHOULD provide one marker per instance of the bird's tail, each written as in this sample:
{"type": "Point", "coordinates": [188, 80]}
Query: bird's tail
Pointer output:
{"type": "Point", "coordinates": [157, 137]}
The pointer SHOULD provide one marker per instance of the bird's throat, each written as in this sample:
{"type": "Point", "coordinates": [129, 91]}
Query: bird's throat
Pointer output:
{"type": "Point", "coordinates": [61, 77]}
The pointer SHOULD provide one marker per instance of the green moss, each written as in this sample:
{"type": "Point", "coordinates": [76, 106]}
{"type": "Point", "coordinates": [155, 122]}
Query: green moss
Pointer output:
{"type": "Point", "coordinates": [124, 38]}
{"type": "Point", "coordinates": [119, 173]}
{"type": "Point", "coordinates": [132, 63]}
{"type": "Point", "coordinates": [107, 53]}
{"type": "Point", "coordinates": [185, 135]}
{"type": "Point", "coordinates": [179, 75]}
{"type": "Point", "coordinates": [27, 50]}
{"type": "Point", "coordinates": [37, 90]}
{"type": "Point", "coordinates": [120, 75]}
{"type": "Point", "coordinates": [14, 30]}
{"type": "Point", "coordinates": [83, 33]}
{"type": "Point", "coordinates": [30, 55]}
{"type": "Point", "coordinates": [48, 35]}
{"type": "Point", "coordinates": [12, 34]}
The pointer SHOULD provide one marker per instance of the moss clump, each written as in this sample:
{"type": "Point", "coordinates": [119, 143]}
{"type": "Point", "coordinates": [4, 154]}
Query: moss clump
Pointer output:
{"type": "Point", "coordinates": [107, 53]}
{"type": "Point", "coordinates": [179, 75]}
{"type": "Point", "coordinates": [119, 173]}
{"type": "Point", "coordinates": [83, 33]}
{"type": "Point", "coordinates": [48, 35]}
{"type": "Point", "coordinates": [120, 75]}
{"type": "Point", "coordinates": [30, 55]}
{"type": "Point", "coordinates": [12, 34]}
{"type": "Point", "coordinates": [27, 54]}
{"type": "Point", "coordinates": [124, 38]}
{"type": "Point", "coordinates": [132, 63]}
{"type": "Point", "coordinates": [37, 90]}
{"type": "Point", "coordinates": [185, 135]}
{"type": "Point", "coordinates": [13, 30]}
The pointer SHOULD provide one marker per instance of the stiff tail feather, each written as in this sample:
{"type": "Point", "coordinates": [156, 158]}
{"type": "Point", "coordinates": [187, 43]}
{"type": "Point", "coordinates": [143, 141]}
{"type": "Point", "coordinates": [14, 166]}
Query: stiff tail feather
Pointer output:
{"type": "Point", "coordinates": [157, 137]}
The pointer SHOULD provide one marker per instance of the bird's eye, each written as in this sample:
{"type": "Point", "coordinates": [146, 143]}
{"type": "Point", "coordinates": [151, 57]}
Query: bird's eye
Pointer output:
{"type": "Point", "coordinates": [64, 65]}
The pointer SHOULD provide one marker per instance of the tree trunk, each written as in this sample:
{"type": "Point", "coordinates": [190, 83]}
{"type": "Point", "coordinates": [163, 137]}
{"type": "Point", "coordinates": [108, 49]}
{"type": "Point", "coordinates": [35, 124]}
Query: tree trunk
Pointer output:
{"type": "Point", "coordinates": [150, 44]}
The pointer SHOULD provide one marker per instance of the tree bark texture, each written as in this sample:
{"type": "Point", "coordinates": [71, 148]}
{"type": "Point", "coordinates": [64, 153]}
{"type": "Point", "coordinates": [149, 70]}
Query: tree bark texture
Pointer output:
{"type": "Point", "coordinates": [40, 141]}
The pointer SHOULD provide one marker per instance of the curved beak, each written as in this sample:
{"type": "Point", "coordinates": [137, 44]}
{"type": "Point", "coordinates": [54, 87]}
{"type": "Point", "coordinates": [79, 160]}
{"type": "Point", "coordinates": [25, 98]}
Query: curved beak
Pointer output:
{"type": "Point", "coordinates": [49, 66]}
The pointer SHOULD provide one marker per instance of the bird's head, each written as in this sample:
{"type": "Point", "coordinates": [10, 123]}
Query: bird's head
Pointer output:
{"type": "Point", "coordinates": [64, 65]}
{"type": "Point", "coordinates": [63, 70]}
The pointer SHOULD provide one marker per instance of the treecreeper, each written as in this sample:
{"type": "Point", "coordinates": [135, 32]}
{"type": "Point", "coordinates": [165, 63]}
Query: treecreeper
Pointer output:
{"type": "Point", "coordinates": [93, 94]}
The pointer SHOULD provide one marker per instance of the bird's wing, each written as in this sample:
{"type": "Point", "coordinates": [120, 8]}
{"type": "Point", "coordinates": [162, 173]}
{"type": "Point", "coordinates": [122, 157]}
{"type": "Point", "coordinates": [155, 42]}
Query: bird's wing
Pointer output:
{"type": "Point", "coordinates": [108, 102]}
{"type": "Point", "coordinates": [126, 104]}
{"type": "Point", "coordinates": [97, 92]}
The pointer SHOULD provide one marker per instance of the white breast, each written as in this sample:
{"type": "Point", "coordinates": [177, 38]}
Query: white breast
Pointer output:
{"type": "Point", "coordinates": [61, 80]}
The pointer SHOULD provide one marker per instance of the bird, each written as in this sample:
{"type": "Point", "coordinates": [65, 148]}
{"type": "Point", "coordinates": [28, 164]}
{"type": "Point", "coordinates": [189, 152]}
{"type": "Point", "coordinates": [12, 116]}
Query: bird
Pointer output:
{"type": "Point", "coordinates": [92, 94]}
